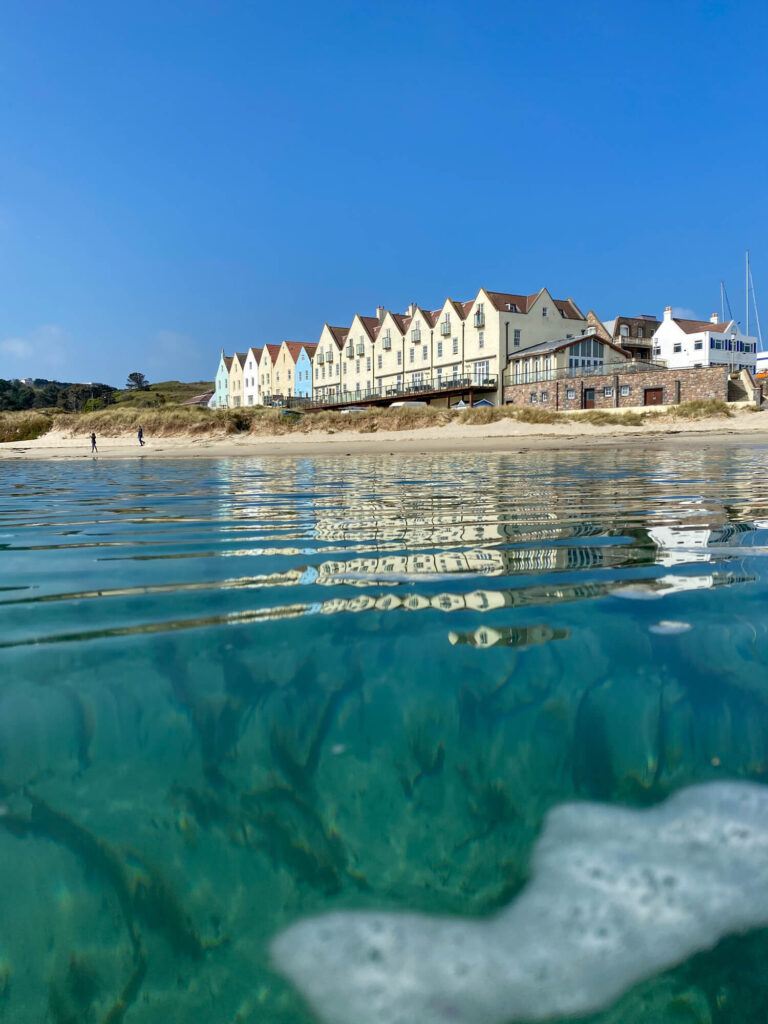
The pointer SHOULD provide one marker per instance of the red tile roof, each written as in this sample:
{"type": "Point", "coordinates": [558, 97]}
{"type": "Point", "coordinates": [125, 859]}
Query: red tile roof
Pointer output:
{"type": "Point", "coordinates": [310, 346]}
{"type": "Point", "coordinates": [258, 352]}
{"type": "Point", "coordinates": [294, 349]}
{"type": "Point", "coordinates": [523, 303]}
{"type": "Point", "coordinates": [371, 325]}
{"type": "Point", "coordinates": [228, 362]}
{"type": "Point", "coordinates": [241, 357]}
{"type": "Point", "coordinates": [273, 350]}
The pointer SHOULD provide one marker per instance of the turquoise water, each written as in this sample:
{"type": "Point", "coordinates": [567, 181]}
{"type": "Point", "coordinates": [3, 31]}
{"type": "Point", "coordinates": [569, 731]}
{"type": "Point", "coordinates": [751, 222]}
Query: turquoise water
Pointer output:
{"type": "Point", "coordinates": [238, 692]}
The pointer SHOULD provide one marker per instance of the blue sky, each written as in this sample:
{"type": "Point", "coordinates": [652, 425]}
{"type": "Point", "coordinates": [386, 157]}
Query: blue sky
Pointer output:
{"type": "Point", "coordinates": [178, 177]}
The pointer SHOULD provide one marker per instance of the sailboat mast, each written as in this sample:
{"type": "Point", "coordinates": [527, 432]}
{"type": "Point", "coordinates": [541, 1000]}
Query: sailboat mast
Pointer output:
{"type": "Point", "coordinates": [757, 315]}
{"type": "Point", "coordinates": [747, 289]}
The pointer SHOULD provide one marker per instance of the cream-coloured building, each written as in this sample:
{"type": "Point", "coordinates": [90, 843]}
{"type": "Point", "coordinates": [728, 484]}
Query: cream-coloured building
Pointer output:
{"type": "Point", "coordinates": [285, 368]}
{"type": "Point", "coordinates": [236, 377]}
{"type": "Point", "coordinates": [460, 343]}
{"type": "Point", "coordinates": [268, 359]}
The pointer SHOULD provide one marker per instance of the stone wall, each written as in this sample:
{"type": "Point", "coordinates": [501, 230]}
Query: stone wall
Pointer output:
{"type": "Point", "coordinates": [623, 390]}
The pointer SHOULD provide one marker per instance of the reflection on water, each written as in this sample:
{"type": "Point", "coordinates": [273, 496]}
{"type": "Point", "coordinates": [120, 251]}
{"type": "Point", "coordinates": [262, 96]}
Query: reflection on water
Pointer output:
{"type": "Point", "coordinates": [203, 739]}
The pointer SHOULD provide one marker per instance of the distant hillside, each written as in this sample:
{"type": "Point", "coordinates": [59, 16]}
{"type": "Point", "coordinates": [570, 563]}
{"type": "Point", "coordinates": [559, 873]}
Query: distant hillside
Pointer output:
{"type": "Point", "coordinates": [16, 395]}
{"type": "Point", "coordinates": [168, 392]}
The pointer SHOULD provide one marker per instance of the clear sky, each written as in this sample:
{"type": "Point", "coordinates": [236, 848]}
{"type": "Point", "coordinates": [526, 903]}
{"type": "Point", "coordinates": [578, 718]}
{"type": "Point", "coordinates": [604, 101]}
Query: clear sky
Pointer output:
{"type": "Point", "coordinates": [178, 176]}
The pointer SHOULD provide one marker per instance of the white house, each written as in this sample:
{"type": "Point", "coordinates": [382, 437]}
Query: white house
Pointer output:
{"type": "Point", "coordinates": [684, 343]}
{"type": "Point", "coordinates": [251, 389]}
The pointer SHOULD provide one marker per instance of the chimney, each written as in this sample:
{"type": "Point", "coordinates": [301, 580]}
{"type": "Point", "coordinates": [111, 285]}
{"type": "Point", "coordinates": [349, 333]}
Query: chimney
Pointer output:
{"type": "Point", "coordinates": [380, 313]}
{"type": "Point", "coordinates": [411, 308]}
{"type": "Point", "coordinates": [714, 319]}
{"type": "Point", "coordinates": [667, 313]}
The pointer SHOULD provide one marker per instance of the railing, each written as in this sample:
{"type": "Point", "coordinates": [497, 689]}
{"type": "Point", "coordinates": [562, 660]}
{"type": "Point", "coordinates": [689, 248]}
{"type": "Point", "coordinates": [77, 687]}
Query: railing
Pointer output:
{"type": "Point", "coordinates": [445, 329]}
{"type": "Point", "coordinates": [479, 320]}
{"type": "Point", "coordinates": [407, 390]}
{"type": "Point", "coordinates": [350, 351]}
{"type": "Point", "coordinates": [571, 372]}
{"type": "Point", "coordinates": [416, 334]}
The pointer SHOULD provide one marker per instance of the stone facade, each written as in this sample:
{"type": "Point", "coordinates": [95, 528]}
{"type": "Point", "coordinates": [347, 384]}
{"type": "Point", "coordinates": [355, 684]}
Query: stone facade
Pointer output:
{"type": "Point", "coordinates": [623, 390]}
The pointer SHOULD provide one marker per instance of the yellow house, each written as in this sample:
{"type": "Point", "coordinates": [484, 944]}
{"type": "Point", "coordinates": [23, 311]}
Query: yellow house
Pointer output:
{"type": "Point", "coordinates": [269, 356]}
{"type": "Point", "coordinates": [236, 377]}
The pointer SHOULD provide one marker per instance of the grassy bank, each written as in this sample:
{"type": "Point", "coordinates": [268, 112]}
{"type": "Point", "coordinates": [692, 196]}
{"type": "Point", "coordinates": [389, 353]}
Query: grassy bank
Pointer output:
{"type": "Point", "coordinates": [174, 421]}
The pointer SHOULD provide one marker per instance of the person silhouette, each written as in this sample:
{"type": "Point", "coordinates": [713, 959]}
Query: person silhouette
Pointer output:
{"type": "Point", "coordinates": [141, 436]}
{"type": "Point", "coordinates": [93, 444]}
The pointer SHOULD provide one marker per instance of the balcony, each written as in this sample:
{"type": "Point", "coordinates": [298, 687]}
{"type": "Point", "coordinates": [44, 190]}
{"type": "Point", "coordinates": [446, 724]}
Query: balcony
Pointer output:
{"type": "Point", "coordinates": [416, 334]}
{"type": "Point", "coordinates": [360, 348]}
{"type": "Point", "coordinates": [386, 342]}
{"type": "Point", "coordinates": [479, 320]}
{"type": "Point", "coordinates": [350, 351]}
{"type": "Point", "coordinates": [384, 393]}
{"type": "Point", "coordinates": [320, 359]}
{"type": "Point", "coordinates": [445, 328]}
{"type": "Point", "coordinates": [329, 356]}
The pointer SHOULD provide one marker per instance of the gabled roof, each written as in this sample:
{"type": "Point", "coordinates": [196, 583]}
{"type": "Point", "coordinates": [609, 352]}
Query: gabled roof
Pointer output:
{"type": "Point", "coordinates": [402, 320]}
{"type": "Point", "coordinates": [371, 325]}
{"type": "Point", "coordinates": [523, 303]}
{"type": "Point", "coordinates": [294, 348]}
{"type": "Point", "coordinates": [241, 357]}
{"type": "Point", "coordinates": [556, 345]}
{"type": "Point", "coordinates": [339, 334]}
{"type": "Point", "coordinates": [697, 326]}
{"type": "Point", "coordinates": [310, 347]}
{"type": "Point", "coordinates": [258, 352]}
{"type": "Point", "coordinates": [228, 362]}
{"type": "Point", "coordinates": [273, 350]}
{"type": "Point", "coordinates": [203, 399]}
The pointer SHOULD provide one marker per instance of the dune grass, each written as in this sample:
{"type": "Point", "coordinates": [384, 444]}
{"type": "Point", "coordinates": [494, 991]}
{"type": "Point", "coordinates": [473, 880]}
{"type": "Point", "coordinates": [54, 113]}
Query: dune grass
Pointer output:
{"type": "Point", "coordinates": [169, 420]}
{"type": "Point", "coordinates": [23, 426]}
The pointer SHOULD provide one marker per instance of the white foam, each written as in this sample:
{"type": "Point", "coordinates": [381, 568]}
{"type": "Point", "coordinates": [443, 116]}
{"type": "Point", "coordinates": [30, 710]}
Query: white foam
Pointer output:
{"type": "Point", "coordinates": [616, 895]}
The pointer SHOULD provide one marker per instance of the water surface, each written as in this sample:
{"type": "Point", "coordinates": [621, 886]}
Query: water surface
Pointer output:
{"type": "Point", "coordinates": [237, 692]}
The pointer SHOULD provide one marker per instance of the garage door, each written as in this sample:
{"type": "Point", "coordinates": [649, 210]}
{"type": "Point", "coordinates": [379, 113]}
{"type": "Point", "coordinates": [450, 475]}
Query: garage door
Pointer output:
{"type": "Point", "coordinates": [654, 396]}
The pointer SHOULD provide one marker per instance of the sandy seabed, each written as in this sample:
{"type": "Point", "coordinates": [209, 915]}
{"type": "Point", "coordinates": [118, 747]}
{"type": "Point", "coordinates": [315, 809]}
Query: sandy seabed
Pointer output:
{"type": "Point", "coordinates": [502, 436]}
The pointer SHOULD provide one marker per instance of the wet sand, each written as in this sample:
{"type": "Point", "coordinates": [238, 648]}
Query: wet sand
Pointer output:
{"type": "Point", "coordinates": [502, 436]}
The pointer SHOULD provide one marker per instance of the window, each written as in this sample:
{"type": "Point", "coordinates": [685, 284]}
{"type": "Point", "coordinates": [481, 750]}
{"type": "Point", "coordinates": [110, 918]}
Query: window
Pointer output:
{"type": "Point", "coordinates": [517, 339]}
{"type": "Point", "coordinates": [424, 351]}
{"type": "Point", "coordinates": [480, 371]}
{"type": "Point", "coordinates": [399, 380]}
{"type": "Point", "coordinates": [534, 398]}
{"type": "Point", "coordinates": [640, 332]}
{"type": "Point", "coordinates": [656, 350]}
{"type": "Point", "coordinates": [677, 347]}
{"type": "Point", "coordinates": [277, 375]}
{"type": "Point", "coordinates": [545, 396]}
{"type": "Point", "coordinates": [378, 361]}
{"type": "Point", "coordinates": [439, 350]}
{"type": "Point", "coordinates": [289, 375]}
{"type": "Point", "coordinates": [399, 358]}
{"type": "Point", "coordinates": [439, 373]}
{"type": "Point", "coordinates": [481, 339]}
{"type": "Point", "coordinates": [570, 394]}
{"type": "Point", "coordinates": [625, 390]}
{"type": "Point", "coordinates": [607, 392]}
{"type": "Point", "coordinates": [412, 355]}
{"type": "Point", "coordinates": [543, 310]}
{"type": "Point", "coordinates": [387, 340]}
{"type": "Point", "coordinates": [698, 344]}
{"type": "Point", "coordinates": [357, 366]}
{"type": "Point", "coordinates": [416, 333]}
{"type": "Point", "coordinates": [624, 331]}
{"type": "Point", "coordinates": [367, 362]}
{"type": "Point", "coordinates": [455, 346]}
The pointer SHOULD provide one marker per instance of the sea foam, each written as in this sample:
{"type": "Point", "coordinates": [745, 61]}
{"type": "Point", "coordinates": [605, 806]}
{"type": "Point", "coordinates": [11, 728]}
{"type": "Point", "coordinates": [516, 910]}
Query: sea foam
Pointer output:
{"type": "Point", "coordinates": [615, 896]}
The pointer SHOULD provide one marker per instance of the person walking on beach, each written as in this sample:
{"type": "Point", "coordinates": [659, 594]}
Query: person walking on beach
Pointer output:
{"type": "Point", "coordinates": [141, 436]}
{"type": "Point", "coordinates": [94, 449]}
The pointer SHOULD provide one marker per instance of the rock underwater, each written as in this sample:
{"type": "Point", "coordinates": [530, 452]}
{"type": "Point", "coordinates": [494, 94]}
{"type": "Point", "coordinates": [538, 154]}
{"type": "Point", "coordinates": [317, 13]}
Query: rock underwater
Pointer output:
{"type": "Point", "coordinates": [616, 895]}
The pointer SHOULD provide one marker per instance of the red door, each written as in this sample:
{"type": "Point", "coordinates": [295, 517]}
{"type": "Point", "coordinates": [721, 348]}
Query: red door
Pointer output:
{"type": "Point", "coordinates": [654, 396]}
{"type": "Point", "coordinates": [589, 398]}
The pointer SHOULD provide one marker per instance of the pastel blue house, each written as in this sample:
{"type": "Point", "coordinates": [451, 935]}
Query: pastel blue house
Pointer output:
{"type": "Point", "coordinates": [220, 398]}
{"type": "Point", "coordinates": [302, 386]}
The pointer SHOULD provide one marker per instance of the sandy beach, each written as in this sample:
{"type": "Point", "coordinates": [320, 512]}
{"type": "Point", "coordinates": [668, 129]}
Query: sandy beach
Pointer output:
{"type": "Point", "coordinates": [502, 436]}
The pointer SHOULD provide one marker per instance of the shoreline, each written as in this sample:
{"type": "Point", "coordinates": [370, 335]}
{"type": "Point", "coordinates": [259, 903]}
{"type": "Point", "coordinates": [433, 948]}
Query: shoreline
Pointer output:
{"type": "Point", "coordinates": [497, 438]}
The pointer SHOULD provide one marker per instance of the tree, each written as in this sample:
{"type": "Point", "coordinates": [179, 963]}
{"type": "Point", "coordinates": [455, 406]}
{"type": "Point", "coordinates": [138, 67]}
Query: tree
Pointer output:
{"type": "Point", "coordinates": [137, 382]}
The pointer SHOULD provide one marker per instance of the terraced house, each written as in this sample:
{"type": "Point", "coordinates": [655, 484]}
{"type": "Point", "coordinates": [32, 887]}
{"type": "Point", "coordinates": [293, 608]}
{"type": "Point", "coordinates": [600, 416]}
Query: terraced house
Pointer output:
{"type": "Point", "coordinates": [440, 350]}
{"type": "Point", "coordinates": [251, 391]}
{"type": "Point", "coordinates": [236, 379]}
{"type": "Point", "coordinates": [267, 362]}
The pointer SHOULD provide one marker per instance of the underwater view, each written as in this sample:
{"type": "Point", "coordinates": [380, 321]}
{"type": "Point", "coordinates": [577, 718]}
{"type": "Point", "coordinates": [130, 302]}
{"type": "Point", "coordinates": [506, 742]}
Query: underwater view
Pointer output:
{"type": "Point", "coordinates": [401, 740]}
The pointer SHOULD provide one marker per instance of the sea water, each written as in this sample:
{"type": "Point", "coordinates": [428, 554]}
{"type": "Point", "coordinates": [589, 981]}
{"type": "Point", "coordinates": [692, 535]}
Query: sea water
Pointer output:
{"type": "Point", "coordinates": [237, 694]}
